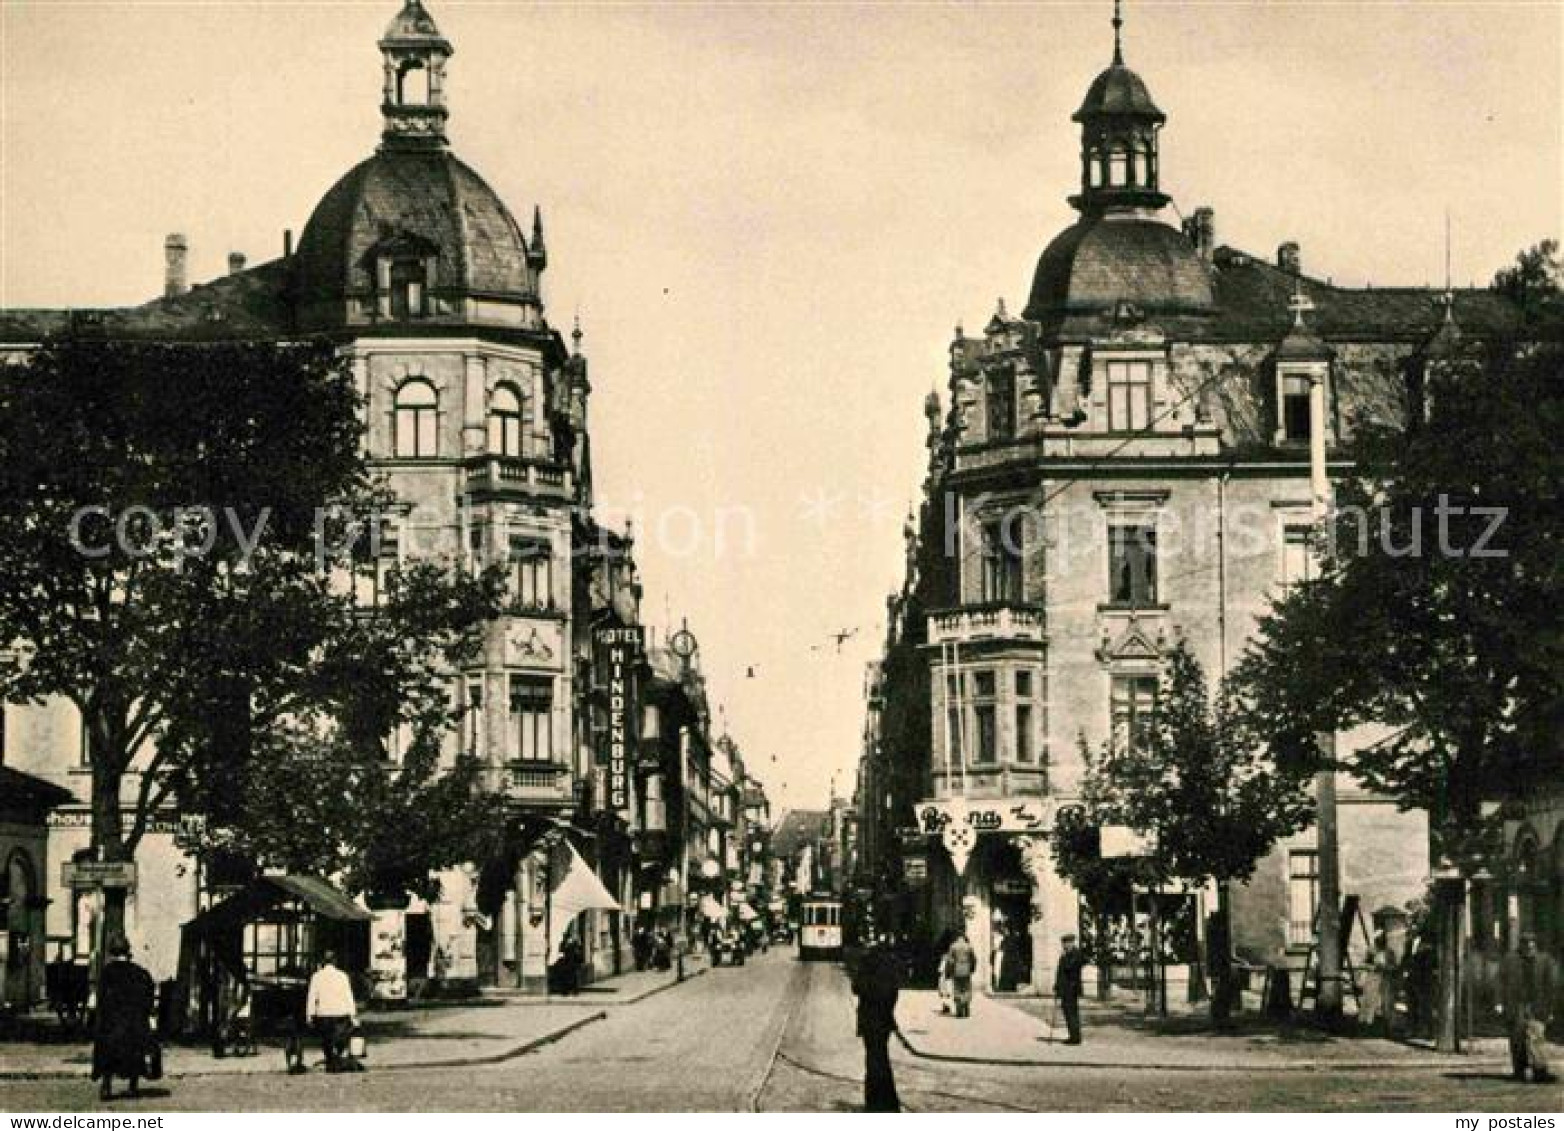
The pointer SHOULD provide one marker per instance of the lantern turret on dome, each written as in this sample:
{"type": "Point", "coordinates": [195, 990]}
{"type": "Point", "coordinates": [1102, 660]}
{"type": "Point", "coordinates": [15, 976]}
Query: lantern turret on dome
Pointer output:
{"type": "Point", "coordinates": [413, 104]}
{"type": "Point", "coordinates": [1119, 126]}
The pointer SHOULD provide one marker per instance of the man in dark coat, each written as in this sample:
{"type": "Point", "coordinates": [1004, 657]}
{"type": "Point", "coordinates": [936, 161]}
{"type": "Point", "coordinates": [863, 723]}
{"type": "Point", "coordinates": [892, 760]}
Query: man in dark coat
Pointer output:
{"type": "Point", "coordinates": [1530, 992]}
{"type": "Point", "coordinates": [1067, 987]}
{"type": "Point", "coordinates": [124, 1025]}
{"type": "Point", "coordinates": [876, 984]}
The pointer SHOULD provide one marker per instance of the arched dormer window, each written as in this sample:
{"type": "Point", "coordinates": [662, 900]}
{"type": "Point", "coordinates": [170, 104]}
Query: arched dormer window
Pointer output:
{"type": "Point", "coordinates": [506, 419]}
{"type": "Point", "coordinates": [417, 416]}
{"type": "Point", "coordinates": [407, 289]}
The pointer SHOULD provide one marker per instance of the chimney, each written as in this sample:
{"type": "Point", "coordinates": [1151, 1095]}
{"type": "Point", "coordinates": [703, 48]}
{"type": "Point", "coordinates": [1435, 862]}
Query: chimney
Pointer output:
{"type": "Point", "coordinates": [1201, 230]}
{"type": "Point", "coordinates": [1289, 259]}
{"type": "Point", "coordinates": [235, 262]}
{"type": "Point", "coordinates": [174, 249]}
{"type": "Point", "coordinates": [287, 243]}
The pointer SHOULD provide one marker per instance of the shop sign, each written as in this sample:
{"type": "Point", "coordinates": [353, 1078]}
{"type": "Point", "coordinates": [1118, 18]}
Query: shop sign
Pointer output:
{"type": "Point", "coordinates": [93, 874]}
{"type": "Point", "coordinates": [619, 656]}
{"type": "Point", "coordinates": [82, 819]}
{"type": "Point", "coordinates": [1003, 816]}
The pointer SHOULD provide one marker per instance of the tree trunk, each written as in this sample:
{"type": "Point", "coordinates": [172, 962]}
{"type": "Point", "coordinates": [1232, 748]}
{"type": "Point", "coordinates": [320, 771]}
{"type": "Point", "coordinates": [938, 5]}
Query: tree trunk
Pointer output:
{"type": "Point", "coordinates": [1449, 900]}
{"type": "Point", "coordinates": [1219, 950]}
{"type": "Point", "coordinates": [108, 840]}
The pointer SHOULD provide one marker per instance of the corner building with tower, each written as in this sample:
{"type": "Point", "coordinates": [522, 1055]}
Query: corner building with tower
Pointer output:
{"type": "Point", "coordinates": [1122, 465]}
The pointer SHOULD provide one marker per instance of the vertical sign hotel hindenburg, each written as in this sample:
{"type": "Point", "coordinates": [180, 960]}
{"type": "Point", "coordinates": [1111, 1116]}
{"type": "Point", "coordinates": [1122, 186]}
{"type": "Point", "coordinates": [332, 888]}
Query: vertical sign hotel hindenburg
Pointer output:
{"type": "Point", "coordinates": [619, 653]}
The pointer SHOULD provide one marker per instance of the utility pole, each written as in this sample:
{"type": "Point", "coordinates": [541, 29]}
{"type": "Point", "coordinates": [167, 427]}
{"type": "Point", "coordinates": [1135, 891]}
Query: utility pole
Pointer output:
{"type": "Point", "coordinates": [1328, 995]}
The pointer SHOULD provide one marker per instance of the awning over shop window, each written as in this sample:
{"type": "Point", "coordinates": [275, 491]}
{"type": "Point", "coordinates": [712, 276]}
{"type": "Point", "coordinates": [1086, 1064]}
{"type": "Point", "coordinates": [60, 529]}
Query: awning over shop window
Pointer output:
{"type": "Point", "coordinates": [747, 913]}
{"type": "Point", "coordinates": [713, 910]}
{"type": "Point", "coordinates": [262, 894]}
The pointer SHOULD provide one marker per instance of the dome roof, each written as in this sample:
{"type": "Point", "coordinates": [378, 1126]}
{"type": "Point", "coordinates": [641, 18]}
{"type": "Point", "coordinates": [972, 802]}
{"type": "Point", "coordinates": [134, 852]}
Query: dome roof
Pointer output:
{"type": "Point", "coordinates": [1106, 260]}
{"type": "Point", "coordinates": [413, 203]}
{"type": "Point", "coordinates": [1118, 90]}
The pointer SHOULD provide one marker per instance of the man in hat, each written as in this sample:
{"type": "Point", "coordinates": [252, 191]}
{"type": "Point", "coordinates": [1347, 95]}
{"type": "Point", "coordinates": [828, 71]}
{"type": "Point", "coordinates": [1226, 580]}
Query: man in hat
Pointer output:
{"type": "Point", "coordinates": [876, 984]}
{"type": "Point", "coordinates": [1067, 987]}
{"type": "Point", "coordinates": [1530, 986]}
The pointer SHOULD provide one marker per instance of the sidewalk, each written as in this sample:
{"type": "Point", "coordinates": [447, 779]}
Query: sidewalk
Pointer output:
{"type": "Point", "coordinates": [1016, 1031]}
{"type": "Point", "coordinates": [486, 1030]}
{"type": "Point", "coordinates": [622, 989]}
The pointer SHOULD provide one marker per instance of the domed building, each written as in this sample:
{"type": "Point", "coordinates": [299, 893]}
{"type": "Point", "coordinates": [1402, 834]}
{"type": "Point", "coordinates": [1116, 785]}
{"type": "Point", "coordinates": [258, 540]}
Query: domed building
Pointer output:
{"type": "Point", "coordinates": [1124, 465]}
{"type": "Point", "coordinates": [475, 412]}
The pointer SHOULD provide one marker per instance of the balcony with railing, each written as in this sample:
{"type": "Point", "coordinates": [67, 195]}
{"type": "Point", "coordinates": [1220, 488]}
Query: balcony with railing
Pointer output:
{"type": "Point", "coordinates": [512, 475]}
{"type": "Point", "coordinates": [538, 781]}
{"type": "Point", "coordinates": [996, 621]}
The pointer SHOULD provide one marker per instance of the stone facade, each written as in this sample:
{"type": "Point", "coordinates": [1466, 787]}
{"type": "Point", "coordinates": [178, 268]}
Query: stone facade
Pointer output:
{"type": "Point", "coordinates": [1124, 467]}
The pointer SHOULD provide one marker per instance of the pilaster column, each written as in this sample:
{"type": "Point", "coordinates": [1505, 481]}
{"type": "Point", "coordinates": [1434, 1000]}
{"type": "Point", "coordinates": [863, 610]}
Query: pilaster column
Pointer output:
{"type": "Point", "coordinates": [475, 403]}
{"type": "Point", "coordinates": [1054, 909]}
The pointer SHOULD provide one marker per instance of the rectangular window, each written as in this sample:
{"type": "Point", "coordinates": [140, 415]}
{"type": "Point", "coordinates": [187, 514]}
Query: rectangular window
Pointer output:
{"type": "Point", "coordinates": [474, 730]}
{"type": "Point", "coordinates": [1132, 565]}
{"type": "Point", "coordinates": [531, 572]}
{"type": "Point", "coordinates": [376, 551]}
{"type": "Point", "coordinates": [1297, 562]}
{"type": "Point", "coordinates": [1001, 576]}
{"type": "Point", "coordinates": [1295, 408]}
{"type": "Point", "coordinates": [1026, 749]}
{"type": "Point", "coordinates": [985, 720]}
{"type": "Point", "coordinates": [1134, 708]}
{"type": "Point", "coordinates": [531, 710]}
{"type": "Point", "coordinates": [1001, 404]}
{"type": "Point", "coordinates": [1129, 396]}
{"type": "Point", "coordinates": [1023, 685]}
{"type": "Point", "coordinates": [1303, 895]}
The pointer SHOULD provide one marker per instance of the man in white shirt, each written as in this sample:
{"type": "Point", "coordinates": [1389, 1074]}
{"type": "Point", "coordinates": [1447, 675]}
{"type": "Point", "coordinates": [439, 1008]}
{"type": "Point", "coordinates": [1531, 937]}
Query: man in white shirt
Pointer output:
{"type": "Point", "coordinates": [331, 1010]}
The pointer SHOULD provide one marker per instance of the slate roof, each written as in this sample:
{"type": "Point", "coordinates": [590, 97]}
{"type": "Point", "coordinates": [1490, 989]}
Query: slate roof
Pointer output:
{"type": "Point", "coordinates": [1252, 297]}
{"type": "Point", "coordinates": [250, 304]}
{"type": "Point", "coordinates": [797, 828]}
{"type": "Point", "coordinates": [1118, 91]}
{"type": "Point", "coordinates": [1102, 261]}
{"type": "Point", "coordinates": [428, 194]}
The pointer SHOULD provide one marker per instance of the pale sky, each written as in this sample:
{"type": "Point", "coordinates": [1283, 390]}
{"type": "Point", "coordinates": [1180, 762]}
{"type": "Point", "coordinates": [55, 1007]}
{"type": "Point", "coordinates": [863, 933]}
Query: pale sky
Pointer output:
{"type": "Point", "coordinates": [770, 218]}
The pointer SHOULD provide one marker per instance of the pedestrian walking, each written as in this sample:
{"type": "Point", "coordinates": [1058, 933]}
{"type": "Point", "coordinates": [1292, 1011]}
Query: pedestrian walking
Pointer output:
{"type": "Point", "coordinates": [1067, 988]}
{"type": "Point", "coordinates": [946, 986]}
{"type": "Point", "coordinates": [962, 960]}
{"type": "Point", "coordinates": [877, 984]}
{"type": "Point", "coordinates": [1530, 985]}
{"type": "Point", "coordinates": [123, 1036]}
{"type": "Point", "coordinates": [1374, 1011]}
{"type": "Point", "coordinates": [1420, 970]}
{"type": "Point", "coordinates": [330, 1009]}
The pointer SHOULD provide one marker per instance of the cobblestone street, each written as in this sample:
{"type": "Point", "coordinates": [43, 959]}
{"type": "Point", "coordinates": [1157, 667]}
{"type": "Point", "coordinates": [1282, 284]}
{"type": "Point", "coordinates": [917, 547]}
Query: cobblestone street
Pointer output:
{"type": "Point", "coordinates": [777, 1035]}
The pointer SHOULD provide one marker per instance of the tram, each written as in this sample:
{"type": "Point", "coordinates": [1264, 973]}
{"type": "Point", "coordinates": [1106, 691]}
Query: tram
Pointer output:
{"type": "Point", "coordinates": [820, 928]}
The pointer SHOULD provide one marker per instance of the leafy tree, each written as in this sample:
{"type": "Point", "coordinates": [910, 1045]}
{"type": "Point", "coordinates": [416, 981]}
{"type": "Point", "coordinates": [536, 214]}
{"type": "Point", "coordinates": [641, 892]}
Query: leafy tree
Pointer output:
{"type": "Point", "coordinates": [1196, 782]}
{"type": "Point", "coordinates": [1436, 612]}
{"type": "Point", "coordinates": [1535, 284]}
{"type": "Point", "coordinates": [170, 516]}
{"type": "Point", "coordinates": [350, 781]}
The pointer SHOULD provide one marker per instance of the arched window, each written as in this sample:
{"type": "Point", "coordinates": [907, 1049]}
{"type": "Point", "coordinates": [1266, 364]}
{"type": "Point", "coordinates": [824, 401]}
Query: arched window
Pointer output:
{"type": "Point", "coordinates": [1095, 165]}
{"type": "Point", "coordinates": [407, 289]}
{"type": "Point", "coordinates": [505, 421]}
{"type": "Point", "coordinates": [416, 415]}
{"type": "Point", "coordinates": [412, 84]}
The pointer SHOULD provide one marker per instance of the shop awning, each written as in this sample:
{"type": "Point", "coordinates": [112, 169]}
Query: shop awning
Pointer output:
{"type": "Point", "coordinates": [713, 910]}
{"type": "Point", "coordinates": [747, 913]}
{"type": "Point", "coordinates": [262, 894]}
